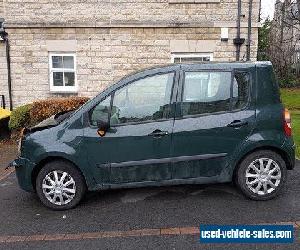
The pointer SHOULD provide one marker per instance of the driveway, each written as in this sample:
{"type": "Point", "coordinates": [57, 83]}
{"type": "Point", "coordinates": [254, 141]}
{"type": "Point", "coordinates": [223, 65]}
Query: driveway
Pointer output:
{"type": "Point", "coordinates": [145, 218]}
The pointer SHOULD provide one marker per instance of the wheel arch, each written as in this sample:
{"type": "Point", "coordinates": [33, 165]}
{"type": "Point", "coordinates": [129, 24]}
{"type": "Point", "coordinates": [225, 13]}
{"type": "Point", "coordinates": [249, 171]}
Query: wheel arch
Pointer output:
{"type": "Point", "coordinates": [48, 159]}
{"type": "Point", "coordinates": [279, 151]}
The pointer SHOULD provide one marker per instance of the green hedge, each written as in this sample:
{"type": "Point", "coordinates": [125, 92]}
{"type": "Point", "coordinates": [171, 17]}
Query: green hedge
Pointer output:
{"type": "Point", "coordinates": [20, 117]}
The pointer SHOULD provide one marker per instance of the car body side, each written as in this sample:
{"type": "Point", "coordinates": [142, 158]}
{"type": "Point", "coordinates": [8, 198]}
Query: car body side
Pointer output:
{"type": "Point", "coordinates": [64, 141]}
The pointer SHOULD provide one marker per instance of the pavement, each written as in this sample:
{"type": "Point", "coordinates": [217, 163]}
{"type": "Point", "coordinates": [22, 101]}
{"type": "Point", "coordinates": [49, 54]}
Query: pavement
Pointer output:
{"type": "Point", "coordinates": [144, 218]}
{"type": "Point", "coordinates": [7, 154]}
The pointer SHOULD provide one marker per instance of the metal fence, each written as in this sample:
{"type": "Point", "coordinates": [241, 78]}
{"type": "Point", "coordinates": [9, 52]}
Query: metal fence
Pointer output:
{"type": "Point", "coordinates": [2, 101]}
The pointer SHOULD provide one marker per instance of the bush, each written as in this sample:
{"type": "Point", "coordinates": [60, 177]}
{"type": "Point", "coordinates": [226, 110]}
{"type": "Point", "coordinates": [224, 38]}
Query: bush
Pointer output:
{"type": "Point", "coordinates": [44, 109]}
{"type": "Point", "coordinates": [289, 82]}
{"type": "Point", "coordinates": [20, 117]}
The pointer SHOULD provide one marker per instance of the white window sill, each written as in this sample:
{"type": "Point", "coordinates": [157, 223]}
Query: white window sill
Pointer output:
{"type": "Point", "coordinates": [64, 90]}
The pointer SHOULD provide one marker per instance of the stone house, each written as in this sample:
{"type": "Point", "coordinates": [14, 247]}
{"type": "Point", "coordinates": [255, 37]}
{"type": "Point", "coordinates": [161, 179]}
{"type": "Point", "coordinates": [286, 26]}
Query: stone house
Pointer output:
{"type": "Point", "coordinates": [79, 47]}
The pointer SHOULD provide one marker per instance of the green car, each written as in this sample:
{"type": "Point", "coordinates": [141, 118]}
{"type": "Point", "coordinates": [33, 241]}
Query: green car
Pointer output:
{"type": "Point", "coordinates": [170, 125]}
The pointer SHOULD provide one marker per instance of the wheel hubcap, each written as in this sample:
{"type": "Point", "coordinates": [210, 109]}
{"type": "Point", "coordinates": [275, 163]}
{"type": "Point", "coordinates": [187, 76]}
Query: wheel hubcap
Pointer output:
{"type": "Point", "coordinates": [263, 176]}
{"type": "Point", "coordinates": [59, 187]}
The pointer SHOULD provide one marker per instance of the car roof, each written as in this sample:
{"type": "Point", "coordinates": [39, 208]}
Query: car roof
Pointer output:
{"type": "Point", "coordinates": [202, 65]}
{"type": "Point", "coordinates": [207, 65]}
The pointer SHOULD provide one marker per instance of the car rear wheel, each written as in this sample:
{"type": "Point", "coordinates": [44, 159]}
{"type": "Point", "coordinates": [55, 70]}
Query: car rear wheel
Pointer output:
{"type": "Point", "coordinates": [60, 185]}
{"type": "Point", "coordinates": [261, 175]}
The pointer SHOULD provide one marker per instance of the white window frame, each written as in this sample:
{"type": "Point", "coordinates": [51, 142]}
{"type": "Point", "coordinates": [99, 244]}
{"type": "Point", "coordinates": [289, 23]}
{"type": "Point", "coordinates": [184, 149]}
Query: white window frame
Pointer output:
{"type": "Point", "coordinates": [190, 55]}
{"type": "Point", "coordinates": [62, 89]}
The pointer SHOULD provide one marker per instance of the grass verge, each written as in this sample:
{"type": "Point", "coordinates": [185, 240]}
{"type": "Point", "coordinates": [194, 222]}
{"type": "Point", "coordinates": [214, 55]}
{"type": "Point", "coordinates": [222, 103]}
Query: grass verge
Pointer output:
{"type": "Point", "coordinates": [291, 100]}
{"type": "Point", "coordinates": [296, 130]}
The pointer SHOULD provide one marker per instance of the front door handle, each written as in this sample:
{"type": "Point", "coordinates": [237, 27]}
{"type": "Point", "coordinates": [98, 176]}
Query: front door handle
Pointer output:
{"type": "Point", "coordinates": [237, 124]}
{"type": "Point", "coordinates": [158, 133]}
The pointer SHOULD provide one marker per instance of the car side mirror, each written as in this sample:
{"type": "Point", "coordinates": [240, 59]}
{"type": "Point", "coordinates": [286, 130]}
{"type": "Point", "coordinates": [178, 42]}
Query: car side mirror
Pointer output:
{"type": "Point", "coordinates": [103, 126]}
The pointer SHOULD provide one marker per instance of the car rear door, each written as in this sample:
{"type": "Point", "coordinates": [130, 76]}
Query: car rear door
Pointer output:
{"type": "Point", "coordinates": [214, 115]}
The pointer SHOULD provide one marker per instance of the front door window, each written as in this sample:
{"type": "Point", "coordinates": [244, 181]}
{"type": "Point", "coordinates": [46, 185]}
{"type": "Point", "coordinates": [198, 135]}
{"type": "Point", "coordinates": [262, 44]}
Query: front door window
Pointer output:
{"type": "Point", "coordinates": [100, 112]}
{"type": "Point", "coordinates": [147, 99]}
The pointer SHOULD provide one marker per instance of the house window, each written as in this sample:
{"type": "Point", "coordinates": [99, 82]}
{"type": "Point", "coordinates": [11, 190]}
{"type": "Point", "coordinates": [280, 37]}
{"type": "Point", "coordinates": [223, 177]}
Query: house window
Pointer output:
{"type": "Point", "coordinates": [62, 73]}
{"type": "Point", "coordinates": [191, 57]}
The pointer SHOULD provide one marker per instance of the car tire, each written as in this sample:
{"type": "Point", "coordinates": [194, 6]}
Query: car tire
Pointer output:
{"type": "Point", "coordinates": [60, 185]}
{"type": "Point", "coordinates": [256, 184]}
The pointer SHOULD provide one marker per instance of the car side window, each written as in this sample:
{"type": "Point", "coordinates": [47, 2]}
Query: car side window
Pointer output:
{"type": "Point", "coordinates": [143, 100]}
{"type": "Point", "coordinates": [241, 87]}
{"type": "Point", "coordinates": [100, 112]}
{"type": "Point", "coordinates": [206, 92]}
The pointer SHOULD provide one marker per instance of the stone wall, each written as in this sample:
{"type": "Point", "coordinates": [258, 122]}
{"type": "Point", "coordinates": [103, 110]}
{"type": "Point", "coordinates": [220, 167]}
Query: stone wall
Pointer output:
{"type": "Point", "coordinates": [116, 12]}
{"type": "Point", "coordinates": [1, 8]}
{"type": "Point", "coordinates": [104, 55]}
{"type": "Point", "coordinates": [3, 74]}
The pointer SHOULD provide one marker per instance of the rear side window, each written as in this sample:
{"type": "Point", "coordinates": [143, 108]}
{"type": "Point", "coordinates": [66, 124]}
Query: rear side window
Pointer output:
{"type": "Point", "coordinates": [241, 87]}
{"type": "Point", "coordinates": [206, 92]}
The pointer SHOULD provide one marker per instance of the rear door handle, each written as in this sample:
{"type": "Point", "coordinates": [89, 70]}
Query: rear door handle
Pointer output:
{"type": "Point", "coordinates": [237, 124]}
{"type": "Point", "coordinates": [158, 133]}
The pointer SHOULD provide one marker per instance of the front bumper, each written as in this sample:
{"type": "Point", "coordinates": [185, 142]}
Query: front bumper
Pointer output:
{"type": "Point", "coordinates": [24, 168]}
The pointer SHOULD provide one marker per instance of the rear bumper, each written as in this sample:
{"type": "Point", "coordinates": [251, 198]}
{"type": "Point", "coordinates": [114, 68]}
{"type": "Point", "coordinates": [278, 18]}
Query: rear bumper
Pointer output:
{"type": "Point", "coordinates": [24, 169]}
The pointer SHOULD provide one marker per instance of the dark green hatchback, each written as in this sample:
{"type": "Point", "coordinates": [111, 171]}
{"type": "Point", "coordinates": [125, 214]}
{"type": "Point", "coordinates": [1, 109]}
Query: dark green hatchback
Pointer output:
{"type": "Point", "coordinates": [177, 124]}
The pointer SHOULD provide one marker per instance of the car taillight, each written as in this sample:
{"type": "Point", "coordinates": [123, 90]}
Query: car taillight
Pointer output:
{"type": "Point", "coordinates": [287, 123]}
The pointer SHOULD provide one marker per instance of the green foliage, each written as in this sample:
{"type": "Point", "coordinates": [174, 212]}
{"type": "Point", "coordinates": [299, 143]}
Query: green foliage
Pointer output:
{"type": "Point", "coordinates": [296, 131]}
{"type": "Point", "coordinates": [291, 81]}
{"type": "Point", "coordinates": [263, 41]}
{"type": "Point", "coordinates": [291, 98]}
{"type": "Point", "coordinates": [20, 117]}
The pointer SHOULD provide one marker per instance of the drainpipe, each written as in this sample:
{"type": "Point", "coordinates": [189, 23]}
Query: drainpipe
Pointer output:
{"type": "Point", "coordinates": [259, 11]}
{"type": "Point", "coordinates": [249, 30]}
{"type": "Point", "coordinates": [238, 41]}
{"type": "Point", "coordinates": [4, 37]}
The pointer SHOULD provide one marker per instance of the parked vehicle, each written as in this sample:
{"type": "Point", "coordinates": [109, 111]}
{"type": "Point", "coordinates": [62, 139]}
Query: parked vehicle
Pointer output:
{"type": "Point", "coordinates": [177, 124]}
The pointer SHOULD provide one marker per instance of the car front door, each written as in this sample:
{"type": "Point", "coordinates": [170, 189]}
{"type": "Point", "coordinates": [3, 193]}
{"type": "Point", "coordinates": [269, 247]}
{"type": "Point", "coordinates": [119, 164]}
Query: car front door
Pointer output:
{"type": "Point", "coordinates": [214, 117]}
{"type": "Point", "coordinates": [136, 148]}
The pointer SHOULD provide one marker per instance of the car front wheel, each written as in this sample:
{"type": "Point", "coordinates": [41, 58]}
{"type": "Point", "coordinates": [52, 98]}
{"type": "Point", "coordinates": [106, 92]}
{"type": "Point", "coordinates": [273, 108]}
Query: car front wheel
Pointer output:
{"type": "Point", "coordinates": [60, 185]}
{"type": "Point", "coordinates": [261, 175]}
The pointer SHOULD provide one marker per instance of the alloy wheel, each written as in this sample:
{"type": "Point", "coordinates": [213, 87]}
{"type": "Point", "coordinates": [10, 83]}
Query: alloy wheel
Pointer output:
{"type": "Point", "coordinates": [263, 176]}
{"type": "Point", "coordinates": [59, 187]}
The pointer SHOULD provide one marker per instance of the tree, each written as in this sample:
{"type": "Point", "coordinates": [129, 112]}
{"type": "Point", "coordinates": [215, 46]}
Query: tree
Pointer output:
{"type": "Point", "coordinates": [295, 11]}
{"type": "Point", "coordinates": [283, 36]}
{"type": "Point", "coordinates": [263, 41]}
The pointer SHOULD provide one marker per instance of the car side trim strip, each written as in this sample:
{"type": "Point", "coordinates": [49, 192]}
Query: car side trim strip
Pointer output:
{"type": "Point", "coordinates": [162, 160]}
